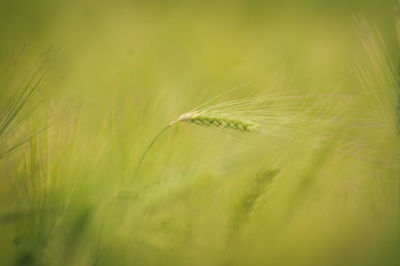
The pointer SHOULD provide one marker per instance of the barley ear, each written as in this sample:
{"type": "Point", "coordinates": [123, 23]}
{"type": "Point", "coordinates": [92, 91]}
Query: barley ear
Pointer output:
{"type": "Point", "coordinates": [203, 118]}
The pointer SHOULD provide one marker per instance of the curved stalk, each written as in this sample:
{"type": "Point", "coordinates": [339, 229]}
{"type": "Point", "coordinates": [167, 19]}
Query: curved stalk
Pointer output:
{"type": "Point", "coordinates": [147, 150]}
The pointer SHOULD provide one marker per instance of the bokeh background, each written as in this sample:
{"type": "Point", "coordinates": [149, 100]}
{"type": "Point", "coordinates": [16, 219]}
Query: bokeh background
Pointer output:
{"type": "Point", "coordinates": [119, 71]}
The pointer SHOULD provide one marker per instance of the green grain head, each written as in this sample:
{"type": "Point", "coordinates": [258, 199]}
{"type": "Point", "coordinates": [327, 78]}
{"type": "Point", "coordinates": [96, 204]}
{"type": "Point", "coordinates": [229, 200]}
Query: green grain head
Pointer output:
{"type": "Point", "coordinates": [206, 119]}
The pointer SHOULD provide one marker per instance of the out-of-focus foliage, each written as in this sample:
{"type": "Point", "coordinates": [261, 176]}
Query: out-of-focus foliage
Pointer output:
{"type": "Point", "coordinates": [118, 72]}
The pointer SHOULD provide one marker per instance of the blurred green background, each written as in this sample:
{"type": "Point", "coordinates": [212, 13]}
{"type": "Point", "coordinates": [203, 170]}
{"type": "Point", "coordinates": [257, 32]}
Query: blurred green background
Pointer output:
{"type": "Point", "coordinates": [122, 70]}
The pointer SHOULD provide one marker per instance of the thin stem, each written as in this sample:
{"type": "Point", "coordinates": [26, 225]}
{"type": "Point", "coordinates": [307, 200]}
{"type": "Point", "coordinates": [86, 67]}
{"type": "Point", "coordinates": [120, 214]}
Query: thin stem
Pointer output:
{"type": "Point", "coordinates": [147, 150]}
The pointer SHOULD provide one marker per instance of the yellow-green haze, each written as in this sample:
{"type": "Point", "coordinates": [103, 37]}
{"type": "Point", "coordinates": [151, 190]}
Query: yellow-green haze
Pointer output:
{"type": "Point", "coordinates": [85, 86]}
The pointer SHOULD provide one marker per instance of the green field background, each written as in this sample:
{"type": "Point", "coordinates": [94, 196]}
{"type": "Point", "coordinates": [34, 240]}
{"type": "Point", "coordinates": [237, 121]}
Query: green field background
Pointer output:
{"type": "Point", "coordinates": [120, 71]}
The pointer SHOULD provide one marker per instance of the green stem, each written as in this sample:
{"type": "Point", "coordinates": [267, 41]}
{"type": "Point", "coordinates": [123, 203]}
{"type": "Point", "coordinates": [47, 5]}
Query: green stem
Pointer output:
{"type": "Point", "coordinates": [147, 150]}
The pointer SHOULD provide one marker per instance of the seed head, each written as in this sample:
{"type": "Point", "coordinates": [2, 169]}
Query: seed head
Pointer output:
{"type": "Point", "coordinates": [213, 119]}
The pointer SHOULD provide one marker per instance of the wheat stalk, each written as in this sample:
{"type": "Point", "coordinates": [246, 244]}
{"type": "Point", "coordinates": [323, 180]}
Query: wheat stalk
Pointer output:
{"type": "Point", "coordinates": [275, 115]}
{"type": "Point", "coordinates": [207, 119]}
